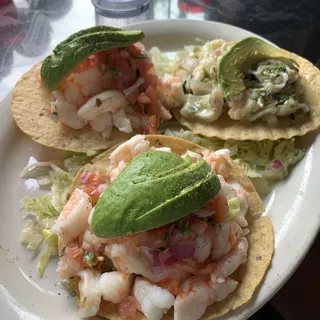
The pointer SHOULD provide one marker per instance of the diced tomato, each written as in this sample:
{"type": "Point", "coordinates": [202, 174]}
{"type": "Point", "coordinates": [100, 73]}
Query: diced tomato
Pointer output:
{"type": "Point", "coordinates": [113, 85]}
{"type": "Point", "coordinates": [101, 56]}
{"type": "Point", "coordinates": [136, 48]}
{"type": "Point", "coordinates": [74, 251]}
{"type": "Point", "coordinates": [112, 57]}
{"type": "Point", "coordinates": [132, 97]}
{"type": "Point", "coordinates": [127, 79]}
{"type": "Point", "coordinates": [143, 98]}
{"type": "Point", "coordinates": [171, 285]}
{"type": "Point", "coordinates": [90, 187]}
{"type": "Point", "coordinates": [122, 64]}
{"type": "Point", "coordinates": [151, 126]}
{"type": "Point", "coordinates": [140, 108]}
{"type": "Point", "coordinates": [144, 66]}
{"type": "Point", "coordinates": [154, 107]}
{"type": "Point", "coordinates": [220, 206]}
{"type": "Point", "coordinates": [128, 308]}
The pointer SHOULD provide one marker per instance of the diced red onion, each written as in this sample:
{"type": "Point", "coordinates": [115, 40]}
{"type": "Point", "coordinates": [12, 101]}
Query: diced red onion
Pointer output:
{"type": "Point", "coordinates": [84, 177]}
{"type": "Point", "coordinates": [152, 255]}
{"type": "Point", "coordinates": [171, 260]}
{"type": "Point", "coordinates": [135, 86]}
{"type": "Point", "coordinates": [277, 164]}
{"type": "Point", "coordinates": [183, 250]}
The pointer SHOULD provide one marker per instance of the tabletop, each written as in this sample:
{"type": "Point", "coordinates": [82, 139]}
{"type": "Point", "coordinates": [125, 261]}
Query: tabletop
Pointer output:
{"type": "Point", "coordinates": [29, 29]}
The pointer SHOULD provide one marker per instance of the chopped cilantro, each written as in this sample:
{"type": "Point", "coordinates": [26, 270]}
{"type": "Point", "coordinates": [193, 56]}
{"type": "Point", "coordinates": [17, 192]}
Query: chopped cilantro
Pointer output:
{"type": "Point", "coordinates": [282, 98]}
{"type": "Point", "coordinates": [90, 258]}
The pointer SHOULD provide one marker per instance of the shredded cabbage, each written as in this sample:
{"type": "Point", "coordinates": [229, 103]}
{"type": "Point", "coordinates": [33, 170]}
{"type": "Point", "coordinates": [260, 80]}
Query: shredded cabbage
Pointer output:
{"type": "Point", "coordinates": [256, 158]}
{"type": "Point", "coordinates": [51, 239]}
{"type": "Point", "coordinates": [234, 207]}
{"type": "Point", "coordinates": [162, 63]}
{"type": "Point", "coordinates": [43, 211]}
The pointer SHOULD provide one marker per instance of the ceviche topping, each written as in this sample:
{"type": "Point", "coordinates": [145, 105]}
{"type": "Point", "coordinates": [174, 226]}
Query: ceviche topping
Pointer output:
{"type": "Point", "coordinates": [112, 87]}
{"type": "Point", "coordinates": [249, 80]}
{"type": "Point", "coordinates": [185, 264]}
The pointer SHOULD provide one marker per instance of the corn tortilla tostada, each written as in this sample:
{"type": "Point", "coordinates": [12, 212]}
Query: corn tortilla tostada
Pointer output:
{"type": "Point", "coordinates": [96, 89]}
{"type": "Point", "coordinates": [116, 163]}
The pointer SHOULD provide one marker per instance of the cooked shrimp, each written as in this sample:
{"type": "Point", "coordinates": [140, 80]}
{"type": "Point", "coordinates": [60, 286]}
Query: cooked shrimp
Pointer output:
{"type": "Point", "coordinates": [90, 294]}
{"type": "Point", "coordinates": [100, 122]}
{"type": "Point", "coordinates": [171, 92]}
{"type": "Point", "coordinates": [225, 237]}
{"type": "Point", "coordinates": [107, 101]}
{"type": "Point", "coordinates": [129, 149]}
{"type": "Point", "coordinates": [223, 287]}
{"type": "Point", "coordinates": [67, 114]}
{"type": "Point", "coordinates": [116, 171]}
{"type": "Point", "coordinates": [154, 301]}
{"type": "Point", "coordinates": [72, 94]}
{"type": "Point", "coordinates": [71, 262]}
{"type": "Point", "coordinates": [115, 285]}
{"type": "Point", "coordinates": [231, 262]}
{"type": "Point", "coordinates": [91, 80]}
{"type": "Point", "coordinates": [73, 218]}
{"type": "Point", "coordinates": [218, 163]}
{"type": "Point", "coordinates": [189, 266]}
{"type": "Point", "coordinates": [125, 261]}
{"type": "Point", "coordinates": [204, 244]}
{"type": "Point", "coordinates": [121, 121]}
{"type": "Point", "coordinates": [197, 294]}
{"type": "Point", "coordinates": [90, 242]}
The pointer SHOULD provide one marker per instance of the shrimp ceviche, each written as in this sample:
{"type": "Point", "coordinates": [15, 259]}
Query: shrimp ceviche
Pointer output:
{"type": "Point", "coordinates": [186, 265]}
{"type": "Point", "coordinates": [113, 88]}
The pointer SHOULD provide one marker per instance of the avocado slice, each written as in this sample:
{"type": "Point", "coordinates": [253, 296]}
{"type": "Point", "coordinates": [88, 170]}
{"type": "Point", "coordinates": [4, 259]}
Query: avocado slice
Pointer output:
{"type": "Point", "coordinates": [155, 189]}
{"type": "Point", "coordinates": [234, 63]}
{"type": "Point", "coordinates": [70, 52]}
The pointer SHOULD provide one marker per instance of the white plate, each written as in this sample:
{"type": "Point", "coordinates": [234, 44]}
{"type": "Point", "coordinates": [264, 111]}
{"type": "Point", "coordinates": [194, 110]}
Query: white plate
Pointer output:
{"type": "Point", "coordinates": [292, 206]}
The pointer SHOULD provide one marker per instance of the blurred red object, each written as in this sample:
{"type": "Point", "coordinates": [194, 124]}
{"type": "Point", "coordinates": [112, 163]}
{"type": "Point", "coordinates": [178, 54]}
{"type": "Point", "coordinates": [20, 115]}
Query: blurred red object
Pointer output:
{"type": "Point", "coordinates": [10, 26]}
{"type": "Point", "coordinates": [190, 7]}
{"type": "Point", "coordinates": [4, 2]}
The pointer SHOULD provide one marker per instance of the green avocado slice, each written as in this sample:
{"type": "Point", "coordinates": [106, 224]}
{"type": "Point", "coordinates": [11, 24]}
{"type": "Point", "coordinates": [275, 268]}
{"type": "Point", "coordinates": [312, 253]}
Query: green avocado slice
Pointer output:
{"type": "Point", "coordinates": [239, 58]}
{"type": "Point", "coordinates": [155, 189]}
{"type": "Point", "coordinates": [84, 32]}
{"type": "Point", "coordinates": [79, 46]}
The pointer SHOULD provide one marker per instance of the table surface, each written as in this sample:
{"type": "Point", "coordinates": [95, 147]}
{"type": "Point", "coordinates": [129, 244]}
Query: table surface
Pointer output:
{"type": "Point", "coordinates": [29, 29]}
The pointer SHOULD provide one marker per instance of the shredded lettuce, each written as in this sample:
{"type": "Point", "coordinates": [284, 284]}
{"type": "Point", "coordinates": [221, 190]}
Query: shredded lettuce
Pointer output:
{"type": "Point", "coordinates": [234, 207]}
{"type": "Point", "coordinates": [43, 211]}
{"type": "Point", "coordinates": [256, 158]}
{"type": "Point", "coordinates": [162, 63]}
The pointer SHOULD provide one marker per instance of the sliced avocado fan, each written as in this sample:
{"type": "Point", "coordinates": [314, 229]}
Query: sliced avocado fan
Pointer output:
{"type": "Point", "coordinates": [155, 189]}
{"type": "Point", "coordinates": [80, 45]}
{"type": "Point", "coordinates": [236, 61]}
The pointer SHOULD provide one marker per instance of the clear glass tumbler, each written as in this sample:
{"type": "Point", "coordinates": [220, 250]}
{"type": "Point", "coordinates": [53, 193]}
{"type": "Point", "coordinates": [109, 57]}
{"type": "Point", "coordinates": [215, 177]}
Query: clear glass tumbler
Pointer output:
{"type": "Point", "coordinates": [119, 6]}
